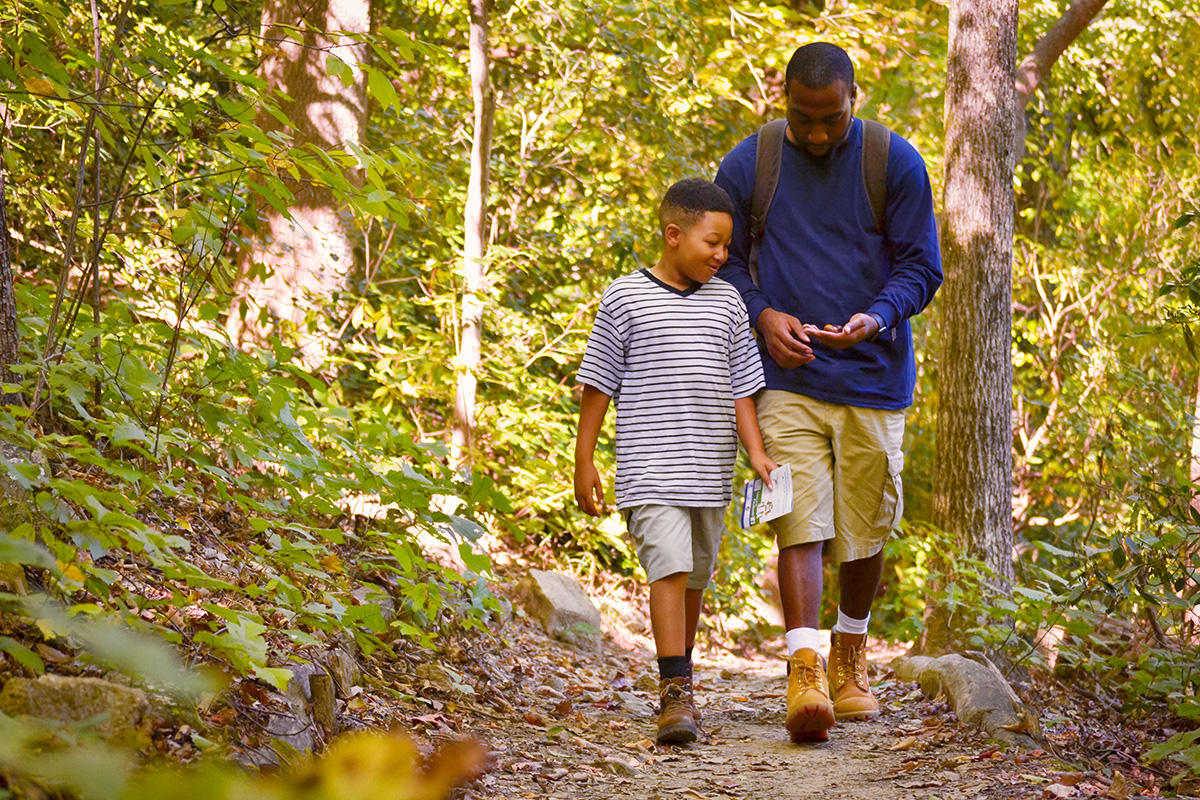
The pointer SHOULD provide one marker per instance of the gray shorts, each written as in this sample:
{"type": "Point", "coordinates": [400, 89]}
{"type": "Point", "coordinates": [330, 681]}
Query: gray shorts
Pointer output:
{"type": "Point", "coordinates": [671, 539]}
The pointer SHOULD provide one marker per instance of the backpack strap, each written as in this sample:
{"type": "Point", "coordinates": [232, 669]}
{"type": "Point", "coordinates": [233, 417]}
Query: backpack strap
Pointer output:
{"type": "Point", "coordinates": [767, 157]}
{"type": "Point", "coordinates": [877, 141]}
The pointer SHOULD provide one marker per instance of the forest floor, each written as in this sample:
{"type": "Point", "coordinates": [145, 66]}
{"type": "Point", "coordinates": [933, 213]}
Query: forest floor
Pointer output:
{"type": "Point", "coordinates": [566, 723]}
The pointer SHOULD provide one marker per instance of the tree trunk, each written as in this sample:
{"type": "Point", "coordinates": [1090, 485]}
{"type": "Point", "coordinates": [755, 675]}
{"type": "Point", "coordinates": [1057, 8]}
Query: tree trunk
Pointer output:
{"type": "Point", "coordinates": [309, 257]}
{"type": "Point", "coordinates": [9, 337]}
{"type": "Point", "coordinates": [470, 328]}
{"type": "Point", "coordinates": [972, 499]}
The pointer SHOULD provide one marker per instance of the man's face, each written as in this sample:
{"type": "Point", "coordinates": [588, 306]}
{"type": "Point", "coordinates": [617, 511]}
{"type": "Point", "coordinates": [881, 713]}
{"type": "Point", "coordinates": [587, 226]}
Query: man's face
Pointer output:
{"type": "Point", "coordinates": [819, 118]}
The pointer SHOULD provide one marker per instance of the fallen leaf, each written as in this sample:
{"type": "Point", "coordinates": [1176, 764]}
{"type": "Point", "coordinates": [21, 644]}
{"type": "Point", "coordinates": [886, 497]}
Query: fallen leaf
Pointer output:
{"type": "Point", "coordinates": [904, 744]}
{"type": "Point", "coordinates": [1057, 790]}
{"type": "Point", "coordinates": [1119, 790]}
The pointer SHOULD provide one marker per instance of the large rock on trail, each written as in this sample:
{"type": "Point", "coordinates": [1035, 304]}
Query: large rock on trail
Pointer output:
{"type": "Point", "coordinates": [74, 700]}
{"type": "Point", "coordinates": [978, 693]}
{"type": "Point", "coordinates": [562, 607]}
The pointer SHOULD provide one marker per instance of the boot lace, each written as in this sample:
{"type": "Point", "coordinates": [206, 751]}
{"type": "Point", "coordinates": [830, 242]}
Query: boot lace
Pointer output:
{"type": "Point", "coordinates": [850, 665]}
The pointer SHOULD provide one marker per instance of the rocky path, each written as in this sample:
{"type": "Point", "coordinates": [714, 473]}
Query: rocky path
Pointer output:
{"type": "Point", "coordinates": [583, 728]}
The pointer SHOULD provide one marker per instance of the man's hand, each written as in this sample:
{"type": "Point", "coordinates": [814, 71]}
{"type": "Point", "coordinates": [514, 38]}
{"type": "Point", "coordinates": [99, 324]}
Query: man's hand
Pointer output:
{"type": "Point", "coordinates": [859, 328]}
{"type": "Point", "coordinates": [589, 489]}
{"type": "Point", "coordinates": [786, 338]}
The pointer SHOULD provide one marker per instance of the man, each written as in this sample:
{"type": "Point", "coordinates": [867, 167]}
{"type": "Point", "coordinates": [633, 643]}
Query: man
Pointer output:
{"type": "Point", "coordinates": [834, 290]}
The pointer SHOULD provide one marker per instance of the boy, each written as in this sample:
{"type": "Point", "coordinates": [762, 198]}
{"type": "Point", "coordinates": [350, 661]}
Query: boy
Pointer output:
{"type": "Point", "coordinates": [672, 344]}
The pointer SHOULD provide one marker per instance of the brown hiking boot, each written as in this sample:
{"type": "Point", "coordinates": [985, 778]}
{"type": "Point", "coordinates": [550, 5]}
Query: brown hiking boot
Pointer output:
{"type": "Point", "coordinates": [695, 709]}
{"type": "Point", "coordinates": [852, 698]}
{"type": "Point", "coordinates": [809, 712]}
{"type": "Point", "coordinates": [676, 725]}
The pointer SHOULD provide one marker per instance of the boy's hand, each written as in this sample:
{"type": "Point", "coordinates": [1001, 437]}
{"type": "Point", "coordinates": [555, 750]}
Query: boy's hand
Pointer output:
{"type": "Point", "coordinates": [764, 466]}
{"type": "Point", "coordinates": [786, 338]}
{"type": "Point", "coordinates": [589, 489]}
{"type": "Point", "coordinates": [860, 327]}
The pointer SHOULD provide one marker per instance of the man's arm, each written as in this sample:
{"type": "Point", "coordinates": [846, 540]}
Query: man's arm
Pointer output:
{"type": "Point", "coordinates": [784, 335]}
{"type": "Point", "coordinates": [912, 242]}
{"type": "Point", "coordinates": [589, 489]}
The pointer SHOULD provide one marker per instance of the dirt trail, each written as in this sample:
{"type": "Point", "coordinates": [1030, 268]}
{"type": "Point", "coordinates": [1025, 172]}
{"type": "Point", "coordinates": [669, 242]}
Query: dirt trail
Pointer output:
{"type": "Point", "coordinates": [582, 726]}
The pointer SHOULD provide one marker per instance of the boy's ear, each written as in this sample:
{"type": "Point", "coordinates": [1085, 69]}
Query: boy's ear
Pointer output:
{"type": "Point", "coordinates": [672, 234]}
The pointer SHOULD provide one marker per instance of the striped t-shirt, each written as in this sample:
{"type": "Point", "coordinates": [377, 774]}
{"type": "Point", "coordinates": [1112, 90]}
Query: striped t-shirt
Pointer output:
{"type": "Point", "coordinates": [674, 360]}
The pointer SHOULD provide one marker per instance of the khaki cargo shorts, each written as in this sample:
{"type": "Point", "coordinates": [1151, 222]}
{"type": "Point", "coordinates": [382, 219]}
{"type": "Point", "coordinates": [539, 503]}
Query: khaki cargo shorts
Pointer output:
{"type": "Point", "coordinates": [672, 539]}
{"type": "Point", "coordinates": [846, 465]}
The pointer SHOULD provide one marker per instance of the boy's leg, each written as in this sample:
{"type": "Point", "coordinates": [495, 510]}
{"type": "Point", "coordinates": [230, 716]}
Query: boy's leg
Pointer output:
{"type": "Point", "coordinates": [668, 620]}
{"type": "Point", "coordinates": [668, 616]}
{"type": "Point", "coordinates": [663, 538]}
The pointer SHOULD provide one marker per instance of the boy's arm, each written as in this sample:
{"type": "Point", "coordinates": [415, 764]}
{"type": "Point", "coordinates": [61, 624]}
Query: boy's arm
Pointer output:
{"type": "Point", "coordinates": [751, 436]}
{"type": "Point", "coordinates": [589, 490]}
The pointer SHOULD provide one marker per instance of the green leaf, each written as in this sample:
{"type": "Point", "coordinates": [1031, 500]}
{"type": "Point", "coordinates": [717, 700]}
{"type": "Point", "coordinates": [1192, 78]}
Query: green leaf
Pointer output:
{"type": "Point", "coordinates": [24, 656]}
{"type": "Point", "coordinates": [381, 89]}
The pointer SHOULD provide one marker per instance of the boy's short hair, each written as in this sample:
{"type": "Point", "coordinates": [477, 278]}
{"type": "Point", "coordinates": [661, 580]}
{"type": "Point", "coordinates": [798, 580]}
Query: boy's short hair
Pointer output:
{"type": "Point", "coordinates": [819, 64]}
{"type": "Point", "coordinates": [690, 199]}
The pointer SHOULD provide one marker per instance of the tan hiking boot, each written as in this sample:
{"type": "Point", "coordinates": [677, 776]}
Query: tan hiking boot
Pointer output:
{"type": "Point", "coordinates": [809, 712]}
{"type": "Point", "coordinates": [852, 698]}
{"type": "Point", "coordinates": [676, 725]}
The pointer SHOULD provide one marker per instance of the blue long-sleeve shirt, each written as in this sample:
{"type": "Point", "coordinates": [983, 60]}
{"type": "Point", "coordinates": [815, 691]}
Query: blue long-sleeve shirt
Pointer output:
{"type": "Point", "coordinates": [821, 260]}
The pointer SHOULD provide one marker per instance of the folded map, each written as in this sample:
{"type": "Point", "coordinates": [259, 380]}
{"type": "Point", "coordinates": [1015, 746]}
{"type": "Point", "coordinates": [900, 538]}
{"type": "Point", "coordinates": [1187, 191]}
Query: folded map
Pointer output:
{"type": "Point", "coordinates": [760, 504]}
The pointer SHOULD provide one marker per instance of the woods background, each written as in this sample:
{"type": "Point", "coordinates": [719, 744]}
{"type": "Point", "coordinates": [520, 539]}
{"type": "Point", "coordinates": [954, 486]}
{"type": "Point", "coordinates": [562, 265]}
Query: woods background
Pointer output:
{"type": "Point", "coordinates": [275, 278]}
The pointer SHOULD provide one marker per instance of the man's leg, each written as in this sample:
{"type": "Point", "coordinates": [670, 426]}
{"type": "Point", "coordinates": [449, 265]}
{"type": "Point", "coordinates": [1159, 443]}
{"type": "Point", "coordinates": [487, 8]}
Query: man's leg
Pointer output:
{"type": "Point", "coordinates": [868, 505]}
{"type": "Point", "coordinates": [809, 711]}
{"type": "Point", "coordinates": [801, 582]}
{"type": "Point", "coordinates": [858, 581]}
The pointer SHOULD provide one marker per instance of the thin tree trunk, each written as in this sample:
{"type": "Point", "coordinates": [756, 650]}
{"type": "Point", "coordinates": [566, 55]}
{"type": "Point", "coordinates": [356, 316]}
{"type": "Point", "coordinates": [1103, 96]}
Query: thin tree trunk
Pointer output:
{"type": "Point", "coordinates": [9, 337]}
{"type": "Point", "coordinates": [1195, 465]}
{"type": "Point", "coordinates": [470, 329]}
{"type": "Point", "coordinates": [308, 257]}
{"type": "Point", "coordinates": [972, 499]}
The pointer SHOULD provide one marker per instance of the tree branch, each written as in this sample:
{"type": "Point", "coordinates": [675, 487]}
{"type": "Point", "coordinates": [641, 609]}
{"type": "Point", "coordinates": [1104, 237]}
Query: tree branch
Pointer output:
{"type": "Point", "coordinates": [1046, 52]}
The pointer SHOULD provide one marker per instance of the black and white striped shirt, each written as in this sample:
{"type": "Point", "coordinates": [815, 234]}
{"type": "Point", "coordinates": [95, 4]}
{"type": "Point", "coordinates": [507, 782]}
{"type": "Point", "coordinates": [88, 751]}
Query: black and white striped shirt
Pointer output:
{"type": "Point", "coordinates": [674, 360]}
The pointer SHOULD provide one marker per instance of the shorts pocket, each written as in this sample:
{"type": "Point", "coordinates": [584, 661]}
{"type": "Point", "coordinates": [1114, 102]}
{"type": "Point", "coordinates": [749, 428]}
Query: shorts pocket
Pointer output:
{"type": "Point", "coordinates": [891, 503]}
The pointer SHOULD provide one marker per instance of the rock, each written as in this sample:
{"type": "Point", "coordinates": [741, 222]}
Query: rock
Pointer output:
{"type": "Point", "coordinates": [638, 706]}
{"type": "Point", "coordinates": [75, 700]}
{"type": "Point", "coordinates": [978, 693]}
{"type": "Point", "coordinates": [562, 607]}
{"type": "Point", "coordinates": [909, 668]}
{"type": "Point", "coordinates": [12, 579]}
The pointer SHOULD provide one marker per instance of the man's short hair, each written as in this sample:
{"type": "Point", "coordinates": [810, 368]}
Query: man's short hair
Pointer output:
{"type": "Point", "coordinates": [818, 65]}
{"type": "Point", "coordinates": [690, 199]}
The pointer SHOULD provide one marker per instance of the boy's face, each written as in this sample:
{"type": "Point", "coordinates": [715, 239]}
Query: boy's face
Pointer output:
{"type": "Point", "coordinates": [702, 247]}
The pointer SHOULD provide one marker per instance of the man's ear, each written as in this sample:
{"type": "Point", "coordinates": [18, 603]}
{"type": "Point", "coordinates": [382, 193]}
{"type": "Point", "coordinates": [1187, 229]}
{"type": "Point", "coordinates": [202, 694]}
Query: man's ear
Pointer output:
{"type": "Point", "coordinates": [672, 234]}
{"type": "Point", "coordinates": [854, 97]}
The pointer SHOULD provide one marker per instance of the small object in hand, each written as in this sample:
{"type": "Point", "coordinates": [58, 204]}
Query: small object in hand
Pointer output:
{"type": "Point", "coordinates": [834, 328]}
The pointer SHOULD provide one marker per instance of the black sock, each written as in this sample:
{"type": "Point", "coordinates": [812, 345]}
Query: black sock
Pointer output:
{"type": "Point", "coordinates": [688, 655]}
{"type": "Point", "coordinates": [674, 667]}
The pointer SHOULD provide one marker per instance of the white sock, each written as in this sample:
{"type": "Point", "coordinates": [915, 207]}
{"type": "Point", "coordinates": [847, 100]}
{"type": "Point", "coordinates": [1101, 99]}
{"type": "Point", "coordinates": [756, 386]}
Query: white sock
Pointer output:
{"type": "Point", "coordinates": [801, 638]}
{"type": "Point", "coordinates": [850, 625]}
